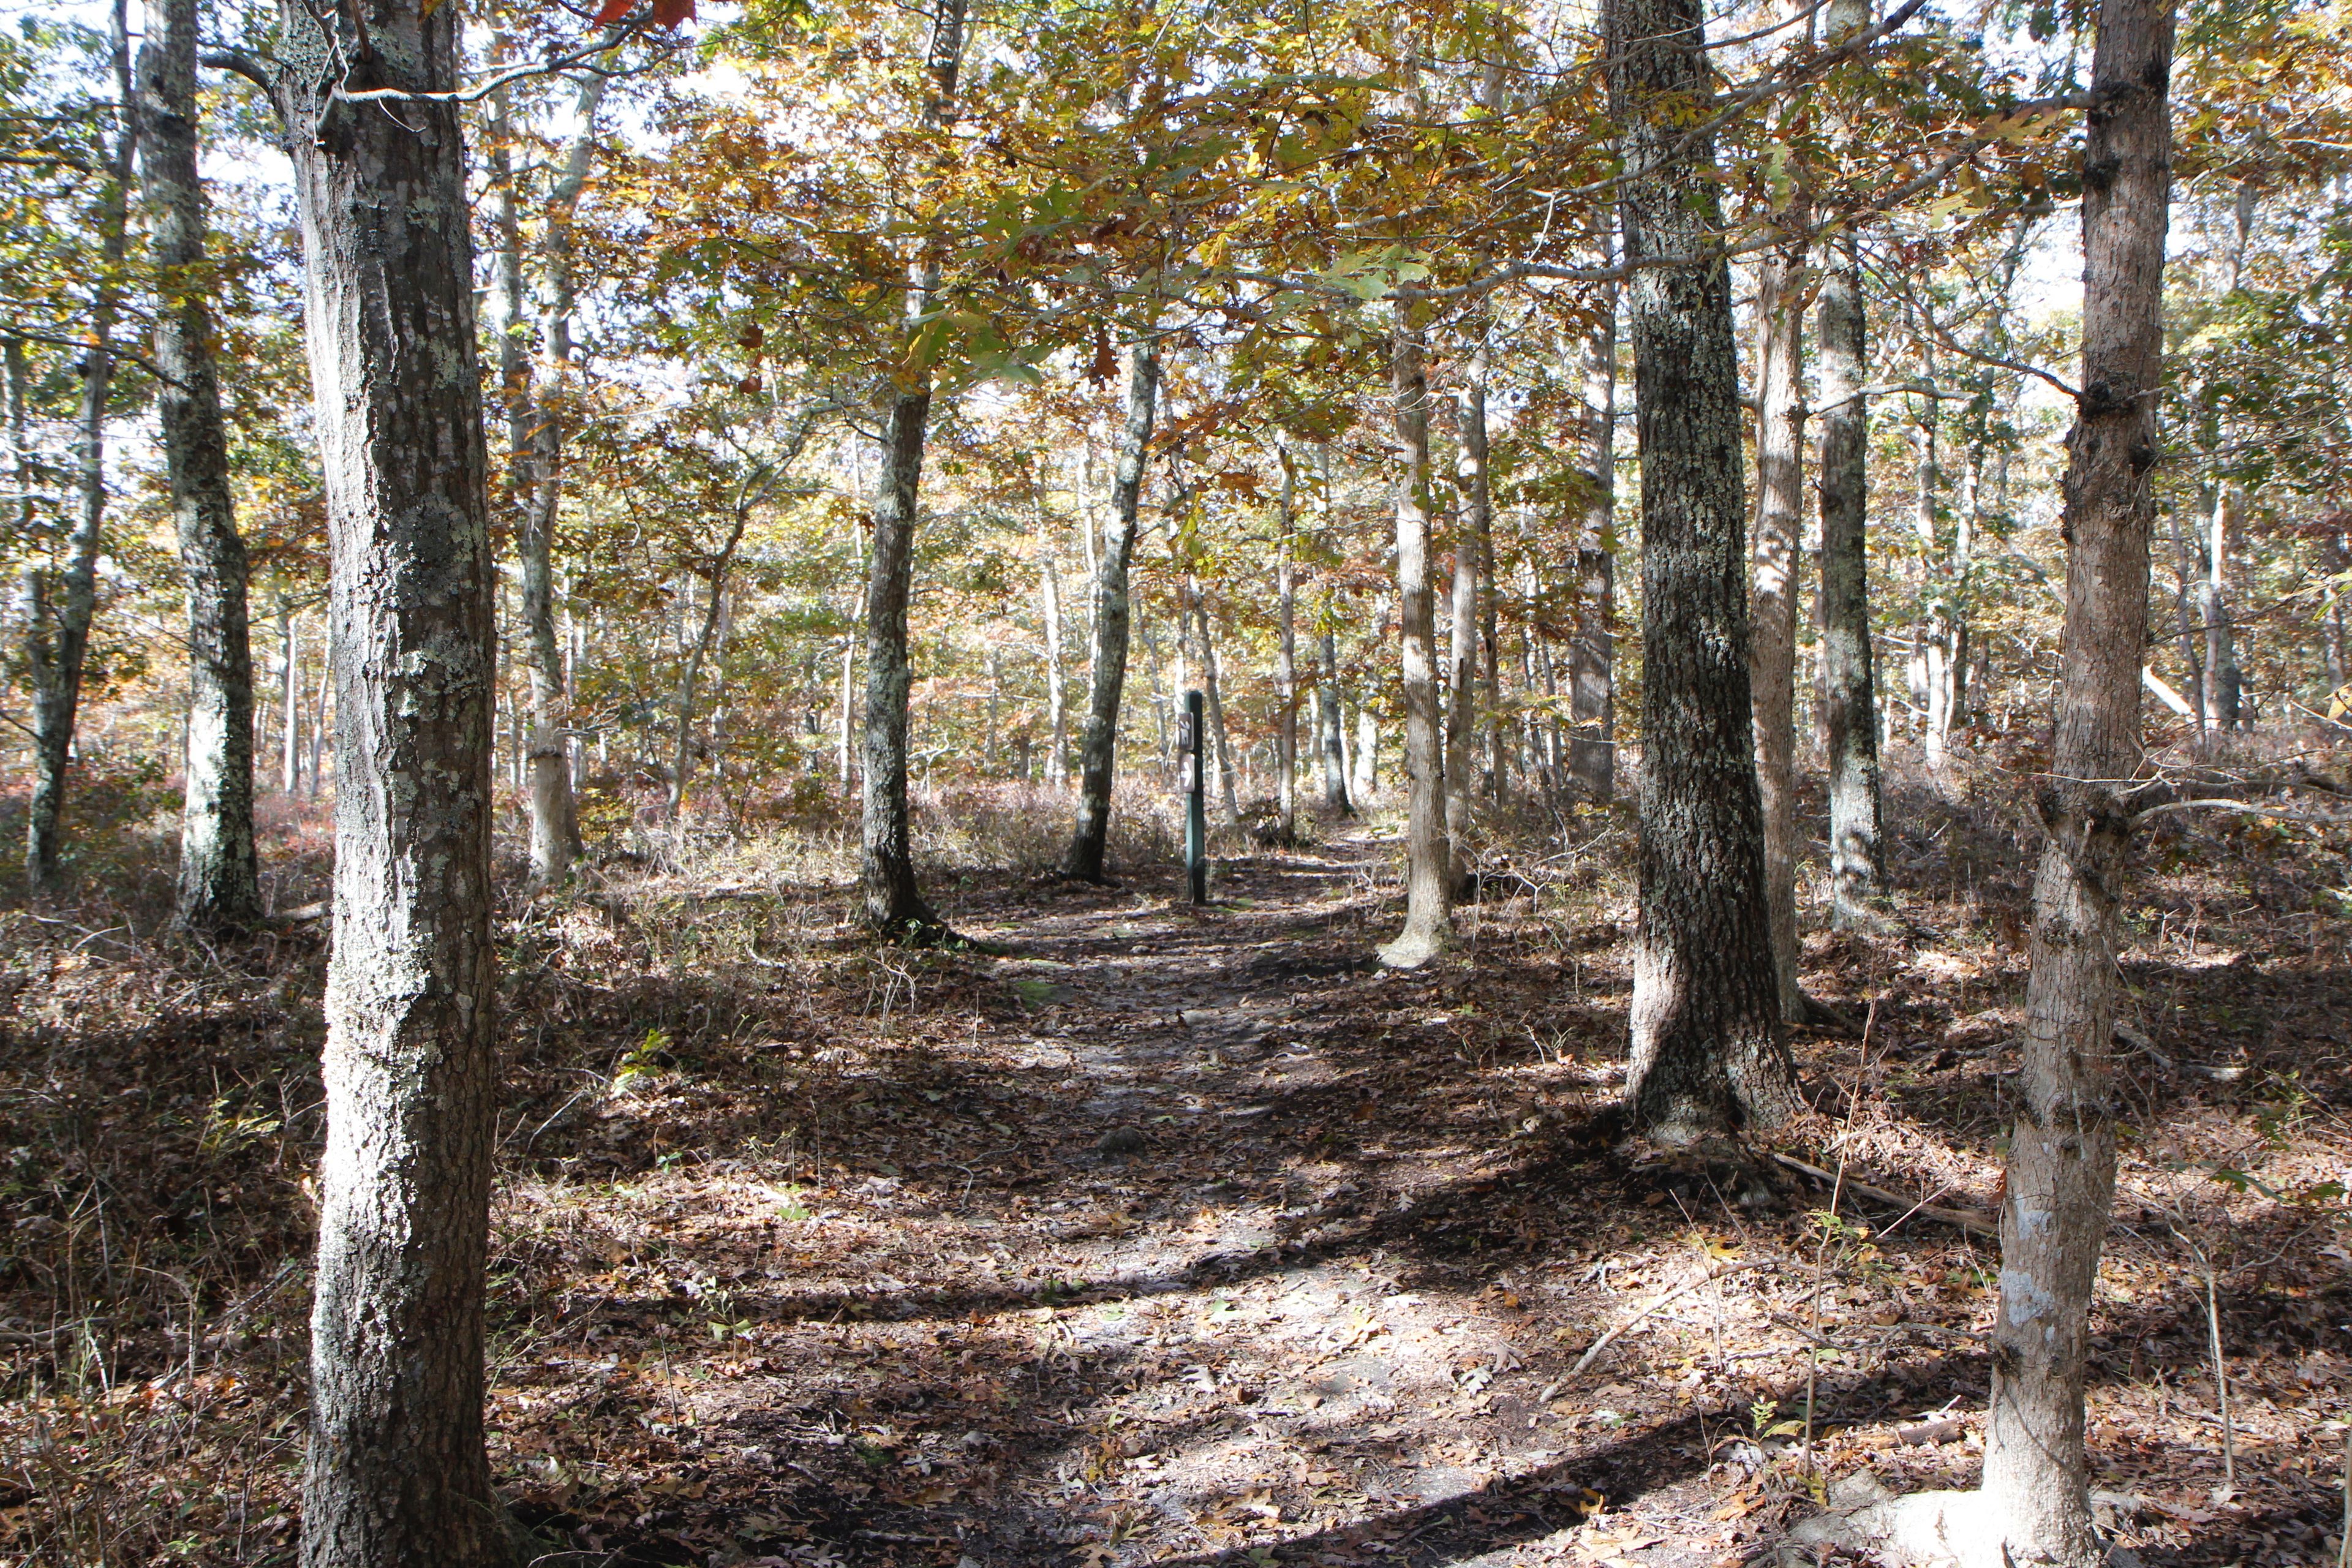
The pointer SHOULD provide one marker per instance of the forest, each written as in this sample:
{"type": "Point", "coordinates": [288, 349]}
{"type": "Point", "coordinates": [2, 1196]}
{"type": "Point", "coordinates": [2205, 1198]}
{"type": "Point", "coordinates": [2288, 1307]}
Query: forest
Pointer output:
{"type": "Point", "coordinates": [1058, 783]}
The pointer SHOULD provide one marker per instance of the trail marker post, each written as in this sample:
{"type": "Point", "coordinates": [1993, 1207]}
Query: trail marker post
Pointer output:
{"type": "Point", "coordinates": [1196, 799]}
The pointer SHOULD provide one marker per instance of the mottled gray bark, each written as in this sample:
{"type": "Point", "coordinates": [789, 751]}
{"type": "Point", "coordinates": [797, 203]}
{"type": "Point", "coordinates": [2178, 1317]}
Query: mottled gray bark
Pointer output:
{"type": "Point", "coordinates": [396, 1471]}
{"type": "Point", "coordinates": [1592, 639]}
{"type": "Point", "coordinates": [1429, 864]}
{"type": "Point", "coordinates": [893, 906]}
{"type": "Point", "coordinates": [1113, 618]}
{"type": "Point", "coordinates": [1706, 1051]}
{"type": "Point", "coordinates": [1777, 567]}
{"type": "Point", "coordinates": [1330, 737]}
{"type": "Point", "coordinates": [2060, 1181]}
{"type": "Point", "coordinates": [1470, 532]}
{"type": "Point", "coordinates": [57, 622]}
{"type": "Point", "coordinates": [1049, 592]}
{"type": "Point", "coordinates": [1849, 681]}
{"type": "Point", "coordinates": [218, 888]}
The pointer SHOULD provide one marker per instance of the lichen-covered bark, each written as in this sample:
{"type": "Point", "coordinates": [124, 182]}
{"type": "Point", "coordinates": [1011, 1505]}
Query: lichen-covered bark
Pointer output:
{"type": "Point", "coordinates": [1778, 555]}
{"type": "Point", "coordinates": [217, 881]}
{"type": "Point", "coordinates": [1706, 1052]}
{"type": "Point", "coordinates": [1113, 619]}
{"type": "Point", "coordinates": [1849, 682]}
{"type": "Point", "coordinates": [1429, 867]}
{"type": "Point", "coordinates": [2062, 1154]}
{"type": "Point", "coordinates": [396, 1472]}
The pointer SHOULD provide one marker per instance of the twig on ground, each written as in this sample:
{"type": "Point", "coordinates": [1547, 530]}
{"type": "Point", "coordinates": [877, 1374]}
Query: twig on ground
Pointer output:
{"type": "Point", "coordinates": [1719, 1271]}
{"type": "Point", "coordinates": [1966, 1219]}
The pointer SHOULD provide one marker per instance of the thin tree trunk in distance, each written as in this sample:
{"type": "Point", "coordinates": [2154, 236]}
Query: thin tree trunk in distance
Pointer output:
{"type": "Point", "coordinates": [396, 1469]}
{"type": "Point", "coordinates": [1331, 739]}
{"type": "Point", "coordinates": [1593, 642]}
{"type": "Point", "coordinates": [1049, 588]}
{"type": "Point", "coordinates": [1849, 683]}
{"type": "Point", "coordinates": [2222, 681]}
{"type": "Point", "coordinates": [1227, 785]}
{"type": "Point", "coordinates": [1113, 619]}
{"type": "Point", "coordinates": [289, 700]}
{"type": "Point", "coordinates": [1286, 661]}
{"type": "Point", "coordinates": [1779, 553]}
{"type": "Point", "coordinates": [1469, 544]}
{"type": "Point", "coordinates": [1429, 865]}
{"type": "Point", "coordinates": [218, 888]}
{"type": "Point", "coordinates": [1706, 1051]}
{"type": "Point", "coordinates": [682, 753]}
{"type": "Point", "coordinates": [849, 723]}
{"type": "Point", "coordinates": [57, 631]}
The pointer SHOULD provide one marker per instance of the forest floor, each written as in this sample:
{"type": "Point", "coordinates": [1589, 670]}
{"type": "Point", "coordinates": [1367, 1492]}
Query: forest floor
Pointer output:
{"type": "Point", "coordinates": [1132, 1232]}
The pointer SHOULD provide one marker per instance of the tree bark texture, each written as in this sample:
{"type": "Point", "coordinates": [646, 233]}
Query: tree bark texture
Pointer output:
{"type": "Point", "coordinates": [58, 626]}
{"type": "Point", "coordinates": [396, 1473]}
{"type": "Point", "coordinates": [893, 908]}
{"type": "Point", "coordinates": [1113, 620]}
{"type": "Point", "coordinates": [219, 885]}
{"type": "Point", "coordinates": [1849, 682]}
{"type": "Point", "coordinates": [2223, 683]}
{"type": "Point", "coordinates": [1592, 639]}
{"type": "Point", "coordinates": [1706, 1051]}
{"type": "Point", "coordinates": [1470, 530]}
{"type": "Point", "coordinates": [2061, 1154]}
{"type": "Point", "coordinates": [1286, 660]}
{"type": "Point", "coordinates": [1049, 591]}
{"type": "Point", "coordinates": [1330, 736]}
{"type": "Point", "coordinates": [1429, 865]}
{"type": "Point", "coordinates": [1778, 565]}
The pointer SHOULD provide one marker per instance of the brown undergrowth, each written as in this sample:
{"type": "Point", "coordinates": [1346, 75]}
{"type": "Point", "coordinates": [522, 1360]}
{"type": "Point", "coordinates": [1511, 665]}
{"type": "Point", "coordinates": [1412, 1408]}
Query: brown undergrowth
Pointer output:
{"type": "Point", "coordinates": [1132, 1233]}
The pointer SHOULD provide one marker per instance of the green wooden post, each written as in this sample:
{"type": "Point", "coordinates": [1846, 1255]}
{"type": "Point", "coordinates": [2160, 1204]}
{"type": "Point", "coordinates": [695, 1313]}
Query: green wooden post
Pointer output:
{"type": "Point", "coordinates": [1196, 800]}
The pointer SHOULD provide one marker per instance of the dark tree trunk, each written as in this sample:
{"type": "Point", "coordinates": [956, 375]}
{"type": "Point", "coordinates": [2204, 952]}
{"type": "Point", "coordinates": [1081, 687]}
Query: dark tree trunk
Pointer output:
{"type": "Point", "coordinates": [2061, 1152]}
{"type": "Point", "coordinates": [1113, 618]}
{"type": "Point", "coordinates": [893, 908]}
{"type": "Point", "coordinates": [1706, 1052]}
{"type": "Point", "coordinates": [1779, 556]}
{"type": "Point", "coordinates": [218, 882]}
{"type": "Point", "coordinates": [1849, 686]}
{"type": "Point", "coordinates": [1593, 641]}
{"type": "Point", "coordinates": [1211, 689]}
{"type": "Point", "coordinates": [58, 626]}
{"type": "Point", "coordinates": [396, 1472]}
{"type": "Point", "coordinates": [1429, 865]}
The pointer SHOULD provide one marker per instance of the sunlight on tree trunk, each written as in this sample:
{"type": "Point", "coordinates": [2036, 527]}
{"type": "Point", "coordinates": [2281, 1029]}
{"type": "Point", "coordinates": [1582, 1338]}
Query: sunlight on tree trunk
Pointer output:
{"type": "Point", "coordinates": [1779, 557]}
{"type": "Point", "coordinates": [1429, 880]}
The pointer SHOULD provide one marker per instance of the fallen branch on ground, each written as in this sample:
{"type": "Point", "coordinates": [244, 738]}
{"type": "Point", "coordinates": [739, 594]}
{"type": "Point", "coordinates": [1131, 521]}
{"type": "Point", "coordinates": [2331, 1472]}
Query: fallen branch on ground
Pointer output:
{"type": "Point", "coordinates": [1719, 1271]}
{"type": "Point", "coordinates": [1966, 1219]}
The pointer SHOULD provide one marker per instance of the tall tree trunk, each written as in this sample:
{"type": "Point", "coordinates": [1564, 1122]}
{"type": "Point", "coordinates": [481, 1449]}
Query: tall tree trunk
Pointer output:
{"type": "Point", "coordinates": [396, 1471]}
{"type": "Point", "coordinates": [1286, 660]}
{"type": "Point", "coordinates": [554, 814]}
{"type": "Point", "coordinates": [1779, 561]}
{"type": "Point", "coordinates": [1849, 684]}
{"type": "Point", "coordinates": [218, 887]}
{"type": "Point", "coordinates": [847, 722]}
{"type": "Point", "coordinates": [1113, 618]}
{"type": "Point", "coordinates": [1429, 865]}
{"type": "Point", "coordinates": [2188, 574]}
{"type": "Point", "coordinates": [1593, 640]}
{"type": "Point", "coordinates": [289, 699]}
{"type": "Point", "coordinates": [1926, 665]}
{"type": "Point", "coordinates": [691, 677]}
{"type": "Point", "coordinates": [57, 630]}
{"type": "Point", "coordinates": [1706, 1051]}
{"type": "Point", "coordinates": [893, 906]}
{"type": "Point", "coordinates": [1469, 546]}
{"type": "Point", "coordinates": [1331, 739]}
{"type": "Point", "coordinates": [2222, 680]}
{"type": "Point", "coordinates": [1049, 589]}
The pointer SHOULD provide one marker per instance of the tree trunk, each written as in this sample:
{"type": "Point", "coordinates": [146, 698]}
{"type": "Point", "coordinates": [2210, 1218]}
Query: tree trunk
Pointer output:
{"type": "Point", "coordinates": [1469, 544]}
{"type": "Point", "coordinates": [2189, 575]}
{"type": "Point", "coordinates": [2060, 1181]}
{"type": "Point", "coordinates": [1849, 686]}
{"type": "Point", "coordinates": [218, 887]}
{"type": "Point", "coordinates": [1429, 867]}
{"type": "Point", "coordinates": [1330, 740]}
{"type": "Point", "coordinates": [682, 753]}
{"type": "Point", "coordinates": [1286, 664]}
{"type": "Point", "coordinates": [57, 633]}
{"type": "Point", "coordinates": [554, 814]}
{"type": "Point", "coordinates": [289, 700]}
{"type": "Point", "coordinates": [396, 1472]}
{"type": "Point", "coordinates": [1364, 759]}
{"type": "Point", "coordinates": [1593, 642]}
{"type": "Point", "coordinates": [2222, 680]}
{"type": "Point", "coordinates": [1706, 1052]}
{"type": "Point", "coordinates": [893, 907]}
{"type": "Point", "coordinates": [1227, 785]}
{"type": "Point", "coordinates": [1049, 588]}
{"type": "Point", "coordinates": [1113, 618]}
{"type": "Point", "coordinates": [849, 723]}
{"type": "Point", "coordinates": [1778, 562]}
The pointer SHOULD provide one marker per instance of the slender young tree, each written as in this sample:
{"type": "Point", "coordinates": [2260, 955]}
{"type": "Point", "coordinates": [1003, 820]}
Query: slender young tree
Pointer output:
{"type": "Point", "coordinates": [396, 1470]}
{"type": "Point", "coordinates": [1330, 736]}
{"type": "Point", "coordinates": [894, 907]}
{"type": "Point", "coordinates": [57, 626]}
{"type": "Point", "coordinates": [1779, 556]}
{"type": "Point", "coordinates": [1113, 619]}
{"type": "Point", "coordinates": [1470, 532]}
{"type": "Point", "coordinates": [217, 881]}
{"type": "Point", "coordinates": [1593, 640]}
{"type": "Point", "coordinates": [1286, 653]}
{"type": "Point", "coordinates": [1706, 1049]}
{"type": "Point", "coordinates": [1848, 680]}
{"type": "Point", "coordinates": [1429, 867]}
